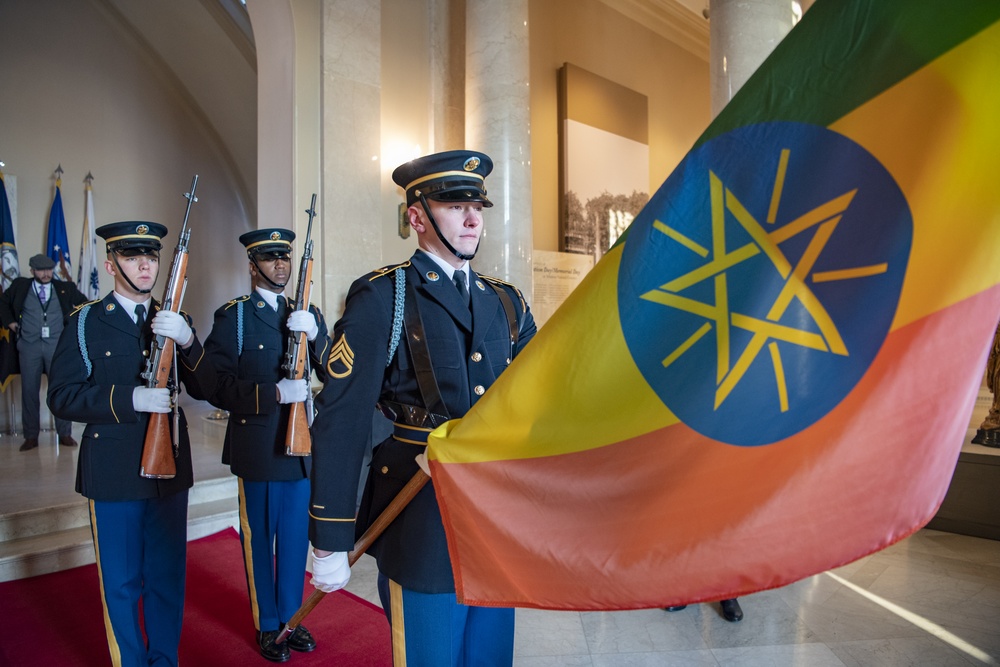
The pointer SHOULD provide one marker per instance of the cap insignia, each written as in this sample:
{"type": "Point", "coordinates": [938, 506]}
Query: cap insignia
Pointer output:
{"type": "Point", "coordinates": [142, 230]}
{"type": "Point", "coordinates": [275, 236]}
{"type": "Point", "coordinates": [471, 164]}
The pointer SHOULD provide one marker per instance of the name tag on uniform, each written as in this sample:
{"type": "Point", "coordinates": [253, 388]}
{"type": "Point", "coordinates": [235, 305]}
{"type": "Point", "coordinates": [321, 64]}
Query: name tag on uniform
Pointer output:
{"type": "Point", "coordinates": [45, 332]}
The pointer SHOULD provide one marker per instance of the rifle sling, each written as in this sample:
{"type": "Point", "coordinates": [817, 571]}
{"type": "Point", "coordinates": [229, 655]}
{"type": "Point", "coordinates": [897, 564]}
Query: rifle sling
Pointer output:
{"type": "Point", "coordinates": [416, 341]}
{"type": "Point", "coordinates": [508, 309]}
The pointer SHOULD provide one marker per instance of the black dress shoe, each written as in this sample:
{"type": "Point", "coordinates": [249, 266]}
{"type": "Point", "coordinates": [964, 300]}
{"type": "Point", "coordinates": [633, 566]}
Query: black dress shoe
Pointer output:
{"type": "Point", "coordinates": [731, 610]}
{"type": "Point", "coordinates": [29, 443]}
{"type": "Point", "coordinates": [270, 650]}
{"type": "Point", "coordinates": [301, 640]}
{"type": "Point", "coordinates": [676, 608]}
{"type": "Point", "coordinates": [67, 441]}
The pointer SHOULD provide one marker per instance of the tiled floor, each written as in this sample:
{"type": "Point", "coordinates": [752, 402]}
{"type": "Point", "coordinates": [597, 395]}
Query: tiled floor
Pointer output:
{"type": "Point", "coordinates": [933, 599]}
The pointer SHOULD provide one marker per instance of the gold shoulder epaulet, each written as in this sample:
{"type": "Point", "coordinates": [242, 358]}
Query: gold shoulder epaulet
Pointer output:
{"type": "Point", "coordinates": [493, 279]}
{"type": "Point", "coordinates": [497, 281]}
{"type": "Point", "coordinates": [230, 304]}
{"type": "Point", "coordinates": [82, 306]}
{"type": "Point", "coordinates": [386, 270]}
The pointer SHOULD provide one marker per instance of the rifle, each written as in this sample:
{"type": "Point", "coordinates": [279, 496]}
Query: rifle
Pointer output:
{"type": "Point", "coordinates": [296, 365]}
{"type": "Point", "coordinates": [160, 448]}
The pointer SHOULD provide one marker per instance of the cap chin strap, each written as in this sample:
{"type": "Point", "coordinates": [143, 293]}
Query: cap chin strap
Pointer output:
{"type": "Point", "coordinates": [260, 272]}
{"type": "Point", "coordinates": [114, 258]}
{"type": "Point", "coordinates": [450, 247]}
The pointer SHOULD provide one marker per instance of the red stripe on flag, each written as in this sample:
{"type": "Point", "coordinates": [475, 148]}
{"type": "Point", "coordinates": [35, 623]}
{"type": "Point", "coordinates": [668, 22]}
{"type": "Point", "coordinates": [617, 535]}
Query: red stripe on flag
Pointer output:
{"type": "Point", "coordinates": [675, 518]}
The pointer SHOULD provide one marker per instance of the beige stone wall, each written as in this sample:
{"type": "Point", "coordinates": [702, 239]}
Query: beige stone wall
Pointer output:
{"type": "Point", "coordinates": [592, 35]}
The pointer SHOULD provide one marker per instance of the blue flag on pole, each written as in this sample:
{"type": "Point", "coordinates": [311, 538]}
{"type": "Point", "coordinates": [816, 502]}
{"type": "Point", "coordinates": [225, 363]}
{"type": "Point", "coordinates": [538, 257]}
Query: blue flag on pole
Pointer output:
{"type": "Point", "coordinates": [9, 269]}
{"type": "Point", "coordinates": [58, 244]}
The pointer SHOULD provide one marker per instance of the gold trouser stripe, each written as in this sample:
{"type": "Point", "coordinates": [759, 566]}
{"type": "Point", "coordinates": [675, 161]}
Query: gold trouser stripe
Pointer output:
{"type": "Point", "coordinates": [398, 627]}
{"type": "Point", "coordinates": [116, 653]}
{"type": "Point", "coordinates": [248, 554]}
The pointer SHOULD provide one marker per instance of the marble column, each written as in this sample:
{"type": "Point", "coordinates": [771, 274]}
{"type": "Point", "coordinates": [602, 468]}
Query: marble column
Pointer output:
{"type": "Point", "coordinates": [447, 74]}
{"type": "Point", "coordinates": [742, 34]}
{"type": "Point", "coordinates": [274, 36]}
{"type": "Point", "coordinates": [497, 123]}
{"type": "Point", "coordinates": [351, 242]}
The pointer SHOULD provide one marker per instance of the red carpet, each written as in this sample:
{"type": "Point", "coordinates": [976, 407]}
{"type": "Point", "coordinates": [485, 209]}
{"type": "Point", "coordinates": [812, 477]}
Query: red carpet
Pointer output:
{"type": "Point", "coordinates": [56, 619]}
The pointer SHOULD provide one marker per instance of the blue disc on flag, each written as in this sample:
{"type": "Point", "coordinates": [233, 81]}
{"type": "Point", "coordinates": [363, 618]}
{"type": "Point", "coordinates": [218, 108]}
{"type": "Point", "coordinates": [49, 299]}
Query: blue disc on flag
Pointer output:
{"type": "Point", "coordinates": [760, 281]}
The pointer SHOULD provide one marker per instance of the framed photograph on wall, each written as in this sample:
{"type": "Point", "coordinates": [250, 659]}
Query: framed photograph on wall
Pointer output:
{"type": "Point", "coordinates": [604, 160]}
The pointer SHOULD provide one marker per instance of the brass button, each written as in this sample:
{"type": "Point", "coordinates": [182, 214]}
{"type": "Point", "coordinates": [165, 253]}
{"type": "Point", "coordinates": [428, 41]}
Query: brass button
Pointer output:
{"type": "Point", "coordinates": [479, 390]}
{"type": "Point", "coordinates": [145, 353]}
{"type": "Point", "coordinates": [508, 361]}
{"type": "Point", "coordinates": [476, 356]}
{"type": "Point", "coordinates": [260, 347]}
{"type": "Point", "coordinates": [385, 469]}
{"type": "Point", "coordinates": [96, 435]}
{"type": "Point", "coordinates": [243, 421]}
{"type": "Point", "coordinates": [108, 353]}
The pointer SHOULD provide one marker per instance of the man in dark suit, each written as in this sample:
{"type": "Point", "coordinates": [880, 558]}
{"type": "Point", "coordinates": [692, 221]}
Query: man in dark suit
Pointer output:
{"type": "Point", "coordinates": [139, 524]}
{"type": "Point", "coordinates": [247, 346]}
{"type": "Point", "coordinates": [424, 339]}
{"type": "Point", "coordinates": [26, 308]}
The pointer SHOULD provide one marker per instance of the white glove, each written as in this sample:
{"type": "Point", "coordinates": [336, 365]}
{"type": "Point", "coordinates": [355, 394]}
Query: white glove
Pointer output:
{"type": "Point", "coordinates": [331, 572]}
{"type": "Point", "coordinates": [303, 320]}
{"type": "Point", "coordinates": [172, 325]}
{"type": "Point", "coordinates": [292, 391]}
{"type": "Point", "coordinates": [421, 460]}
{"type": "Point", "coordinates": [151, 399]}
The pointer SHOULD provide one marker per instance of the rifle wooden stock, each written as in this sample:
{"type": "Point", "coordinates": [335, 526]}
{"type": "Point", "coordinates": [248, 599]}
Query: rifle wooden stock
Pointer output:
{"type": "Point", "coordinates": [387, 516]}
{"type": "Point", "coordinates": [298, 441]}
{"type": "Point", "coordinates": [158, 449]}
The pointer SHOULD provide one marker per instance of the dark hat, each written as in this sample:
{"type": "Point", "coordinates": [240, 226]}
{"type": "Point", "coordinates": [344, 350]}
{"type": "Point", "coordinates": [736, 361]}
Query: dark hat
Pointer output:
{"type": "Point", "coordinates": [455, 176]}
{"type": "Point", "coordinates": [273, 242]}
{"type": "Point", "coordinates": [41, 262]}
{"type": "Point", "coordinates": [133, 237]}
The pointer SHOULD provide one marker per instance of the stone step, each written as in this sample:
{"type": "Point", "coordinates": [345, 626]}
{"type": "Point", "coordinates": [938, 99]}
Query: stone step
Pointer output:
{"type": "Point", "coordinates": [34, 522]}
{"type": "Point", "coordinates": [58, 538]}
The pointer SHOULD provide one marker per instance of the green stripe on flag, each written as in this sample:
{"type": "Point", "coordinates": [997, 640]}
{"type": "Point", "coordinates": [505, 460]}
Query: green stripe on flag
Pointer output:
{"type": "Point", "coordinates": [823, 69]}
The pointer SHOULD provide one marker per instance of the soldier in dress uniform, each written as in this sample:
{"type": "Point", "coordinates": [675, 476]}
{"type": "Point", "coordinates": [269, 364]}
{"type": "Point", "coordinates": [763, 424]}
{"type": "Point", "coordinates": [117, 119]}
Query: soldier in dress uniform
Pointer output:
{"type": "Point", "coordinates": [247, 346]}
{"type": "Point", "coordinates": [139, 524]}
{"type": "Point", "coordinates": [424, 339]}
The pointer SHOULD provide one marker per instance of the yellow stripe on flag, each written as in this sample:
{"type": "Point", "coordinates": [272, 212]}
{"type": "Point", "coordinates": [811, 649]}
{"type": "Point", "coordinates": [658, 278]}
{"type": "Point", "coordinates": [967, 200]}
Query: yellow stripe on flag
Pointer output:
{"type": "Point", "coordinates": [561, 411]}
{"type": "Point", "coordinates": [937, 133]}
{"type": "Point", "coordinates": [934, 132]}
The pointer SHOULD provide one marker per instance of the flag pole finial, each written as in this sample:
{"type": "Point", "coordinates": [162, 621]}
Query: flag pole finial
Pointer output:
{"type": "Point", "coordinates": [58, 174]}
{"type": "Point", "coordinates": [88, 178]}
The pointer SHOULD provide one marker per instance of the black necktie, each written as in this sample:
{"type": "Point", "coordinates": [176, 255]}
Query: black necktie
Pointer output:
{"type": "Point", "coordinates": [463, 291]}
{"type": "Point", "coordinates": [140, 316]}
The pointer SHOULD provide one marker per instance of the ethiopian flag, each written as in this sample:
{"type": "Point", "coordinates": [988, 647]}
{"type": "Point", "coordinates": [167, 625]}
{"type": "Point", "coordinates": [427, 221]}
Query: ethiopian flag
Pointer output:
{"type": "Point", "coordinates": [773, 373]}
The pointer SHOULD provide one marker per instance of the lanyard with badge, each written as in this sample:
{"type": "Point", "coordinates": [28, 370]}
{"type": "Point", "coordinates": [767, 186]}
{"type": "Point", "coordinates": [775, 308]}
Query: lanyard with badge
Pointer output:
{"type": "Point", "coordinates": [45, 308]}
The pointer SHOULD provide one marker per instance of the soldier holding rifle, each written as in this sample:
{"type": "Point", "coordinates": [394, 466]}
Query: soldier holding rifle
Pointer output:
{"type": "Point", "coordinates": [139, 524]}
{"type": "Point", "coordinates": [425, 339]}
{"type": "Point", "coordinates": [247, 346]}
